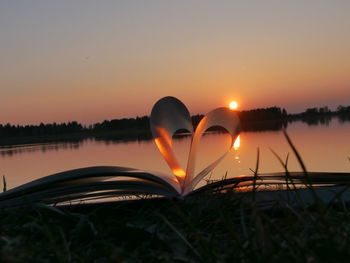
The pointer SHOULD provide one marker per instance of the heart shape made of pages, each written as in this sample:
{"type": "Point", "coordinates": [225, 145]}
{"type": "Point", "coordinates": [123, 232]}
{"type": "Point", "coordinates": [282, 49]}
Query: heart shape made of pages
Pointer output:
{"type": "Point", "coordinates": [170, 115]}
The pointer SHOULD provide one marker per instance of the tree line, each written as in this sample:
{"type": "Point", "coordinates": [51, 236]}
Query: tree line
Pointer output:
{"type": "Point", "coordinates": [272, 118]}
{"type": "Point", "coordinates": [42, 129]}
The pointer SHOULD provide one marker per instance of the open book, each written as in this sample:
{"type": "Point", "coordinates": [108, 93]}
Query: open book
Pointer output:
{"type": "Point", "coordinates": [106, 183]}
{"type": "Point", "coordinates": [168, 116]}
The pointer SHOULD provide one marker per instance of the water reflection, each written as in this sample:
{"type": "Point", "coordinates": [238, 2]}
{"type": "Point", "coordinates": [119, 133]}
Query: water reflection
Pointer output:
{"type": "Point", "coordinates": [237, 143]}
{"type": "Point", "coordinates": [8, 151]}
{"type": "Point", "coordinates": [317, 120]}
{"type": "Point", "coordinates": [344, 118]}
{"type": "Point", "coordinates": [321, 120]}
{"type": "Point", "coordinates": [323, 148]}
{"type": "Point", "coordinates": [46, 147]}
{"type": "Point", "coordinates": [121, 138]}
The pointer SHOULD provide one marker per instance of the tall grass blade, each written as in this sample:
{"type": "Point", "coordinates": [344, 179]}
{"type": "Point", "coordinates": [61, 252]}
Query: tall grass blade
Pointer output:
{"type": "Point", "coordinates": [256, 173]}
{"type": "Point", "coordinates": [317, 199]}
{"type": "Point", "coordinates": [297, 155]}
{"type": "Point", "coordinates": [181, 236]}
{"type": "Point", "coordinates": [285, 166]}
{"type": "Point", "coordinates": [4, 183]}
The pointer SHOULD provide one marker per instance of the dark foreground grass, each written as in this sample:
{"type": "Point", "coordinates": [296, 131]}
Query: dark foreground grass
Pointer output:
{"type": "Point", "coordinates": [216, 228]}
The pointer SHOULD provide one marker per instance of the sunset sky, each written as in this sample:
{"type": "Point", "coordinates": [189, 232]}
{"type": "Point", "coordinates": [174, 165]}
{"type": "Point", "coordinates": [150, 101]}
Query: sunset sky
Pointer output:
{"type": "Point", "coordinates": [94, 60]}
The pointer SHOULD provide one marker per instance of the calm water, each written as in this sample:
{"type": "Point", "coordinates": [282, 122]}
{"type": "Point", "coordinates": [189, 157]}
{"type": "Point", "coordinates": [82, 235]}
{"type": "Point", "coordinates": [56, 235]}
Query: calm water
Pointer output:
{"type": "Point", "coordinates": [323, 148]}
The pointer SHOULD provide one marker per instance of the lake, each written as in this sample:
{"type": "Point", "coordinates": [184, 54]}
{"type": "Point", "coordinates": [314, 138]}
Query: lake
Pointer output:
{"type": "Point", "coordinates": [322, 147]}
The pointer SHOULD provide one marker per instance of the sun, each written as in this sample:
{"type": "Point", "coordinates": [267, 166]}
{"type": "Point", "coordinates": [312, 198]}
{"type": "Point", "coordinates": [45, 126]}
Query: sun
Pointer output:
{"type": "Point", "coordinates": [233, 105]}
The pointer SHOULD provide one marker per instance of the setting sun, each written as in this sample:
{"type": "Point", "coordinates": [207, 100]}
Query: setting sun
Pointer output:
{"type": "Point", "coordinates": [233, 105]}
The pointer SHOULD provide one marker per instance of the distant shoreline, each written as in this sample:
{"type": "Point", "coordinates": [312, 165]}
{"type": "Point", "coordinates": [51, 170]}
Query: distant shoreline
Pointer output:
{"type": "Point", "coordinates": [267, 119]}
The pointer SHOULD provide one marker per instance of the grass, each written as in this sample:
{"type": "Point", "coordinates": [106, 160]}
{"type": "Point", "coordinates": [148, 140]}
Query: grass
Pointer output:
{"type": "Point", "coordinates": [218, 228]}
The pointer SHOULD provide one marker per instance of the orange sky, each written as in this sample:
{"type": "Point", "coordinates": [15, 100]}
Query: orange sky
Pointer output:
{"type": "Point", "coordinates": [90, 61]}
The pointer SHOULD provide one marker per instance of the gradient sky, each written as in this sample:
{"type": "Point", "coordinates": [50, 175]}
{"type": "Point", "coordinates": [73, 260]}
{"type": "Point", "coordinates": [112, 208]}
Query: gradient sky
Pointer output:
{"type": "Point", "coordinates": [93, 60]}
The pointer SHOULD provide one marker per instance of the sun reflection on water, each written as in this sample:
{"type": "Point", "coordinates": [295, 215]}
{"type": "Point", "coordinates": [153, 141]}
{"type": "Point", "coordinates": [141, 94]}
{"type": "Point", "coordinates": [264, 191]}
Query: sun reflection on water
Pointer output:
{"type": "Point", "coordinates": [237, 143]}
